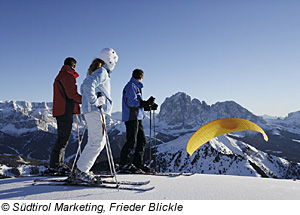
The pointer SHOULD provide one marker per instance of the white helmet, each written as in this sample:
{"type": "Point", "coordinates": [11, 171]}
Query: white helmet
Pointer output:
{"type": "Point", "coordinates": [110, 57]}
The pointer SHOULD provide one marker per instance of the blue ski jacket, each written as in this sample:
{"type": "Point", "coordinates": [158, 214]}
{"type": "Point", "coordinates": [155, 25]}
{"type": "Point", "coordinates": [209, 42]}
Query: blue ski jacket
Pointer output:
{"type": "Point", "coordinates": [98, 81]}
{"type": "Point", "coordinates": [132, 95]}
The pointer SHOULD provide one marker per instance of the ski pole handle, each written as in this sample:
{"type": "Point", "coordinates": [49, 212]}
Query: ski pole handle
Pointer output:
{"type": "Point", "coordinates": [103, 124]}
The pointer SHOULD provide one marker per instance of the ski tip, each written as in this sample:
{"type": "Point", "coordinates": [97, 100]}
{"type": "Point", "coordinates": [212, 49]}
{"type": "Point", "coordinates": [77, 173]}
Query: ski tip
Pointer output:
{"type": "Point", "coordinates": [138, 189]}
{"type": "Point", "coordinates": [150, 188]}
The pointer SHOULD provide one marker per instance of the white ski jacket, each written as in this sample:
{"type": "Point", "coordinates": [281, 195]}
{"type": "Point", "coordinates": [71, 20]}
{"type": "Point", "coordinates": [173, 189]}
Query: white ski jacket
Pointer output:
{"type": "Point", "coordinates": [98, 81]}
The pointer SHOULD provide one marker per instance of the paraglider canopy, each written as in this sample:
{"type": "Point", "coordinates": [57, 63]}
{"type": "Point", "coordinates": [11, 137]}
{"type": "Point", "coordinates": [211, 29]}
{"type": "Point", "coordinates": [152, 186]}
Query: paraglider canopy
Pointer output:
{"type": "Point", "coordinates": [219, 127]}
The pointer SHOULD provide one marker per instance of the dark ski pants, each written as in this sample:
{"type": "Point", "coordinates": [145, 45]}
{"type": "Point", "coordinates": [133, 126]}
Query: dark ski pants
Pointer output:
{"type": "Point", "coordinates": [64, 127]}
{"type": "Point", "coordinates": [135, 135]}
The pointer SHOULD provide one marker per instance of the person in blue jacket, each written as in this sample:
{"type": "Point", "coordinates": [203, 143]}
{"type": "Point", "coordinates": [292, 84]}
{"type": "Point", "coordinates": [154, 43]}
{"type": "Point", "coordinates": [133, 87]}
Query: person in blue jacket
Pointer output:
{"type": "Point", "coordinates": [132, 114]}
{"type": "Point", "coordinates": [96, 100]}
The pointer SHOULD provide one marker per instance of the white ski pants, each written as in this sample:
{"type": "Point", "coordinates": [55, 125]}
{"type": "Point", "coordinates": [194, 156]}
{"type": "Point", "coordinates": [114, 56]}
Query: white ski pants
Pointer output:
{"type": "Point", "coordinates": [95, 143]}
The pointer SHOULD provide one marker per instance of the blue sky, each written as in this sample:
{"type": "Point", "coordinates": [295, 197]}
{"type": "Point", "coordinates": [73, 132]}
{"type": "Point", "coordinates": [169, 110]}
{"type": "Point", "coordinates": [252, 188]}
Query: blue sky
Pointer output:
{"type": "Point", "coordinates": [245, 51]}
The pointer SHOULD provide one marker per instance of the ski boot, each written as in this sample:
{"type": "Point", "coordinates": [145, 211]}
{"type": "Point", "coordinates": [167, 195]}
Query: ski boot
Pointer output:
{"type": "Point", "coordinates": [83, 177]}
{"type": "Point", "coordinates": [130, 169]}
{"type": "Point", "coordinates": [145, 168]}
{"type": "Point", "coordinates": [62, 170]}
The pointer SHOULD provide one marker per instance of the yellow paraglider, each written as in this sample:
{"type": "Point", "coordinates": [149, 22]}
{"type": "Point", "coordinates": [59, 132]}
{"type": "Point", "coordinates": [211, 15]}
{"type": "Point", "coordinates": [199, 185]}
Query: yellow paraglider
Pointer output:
{"type": "Point", "coordinates": [220, 127]}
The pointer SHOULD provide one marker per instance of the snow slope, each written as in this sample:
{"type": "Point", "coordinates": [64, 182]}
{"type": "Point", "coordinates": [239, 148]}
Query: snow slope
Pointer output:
{"type": "Point", "coordinates": [195, 187]}
{"type": "Point", "coordinates": [224, 155]}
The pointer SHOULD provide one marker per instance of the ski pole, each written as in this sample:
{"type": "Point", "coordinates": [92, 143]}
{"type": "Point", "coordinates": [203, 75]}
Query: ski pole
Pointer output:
{"type": "Point", "coordinates": [150, 138]}
{"type": "Point", "coordinates": [109, 152]}
{"type": "Point", "coordinates": [106, 145]}
{"type": "Point", "coordinates": [79, 141]}
{"type": "Point", "coordinates": [155, 162]}
{"type": "Point", "coordinates": [79, 144]}
{"type": "Point", "coordinates": [112, 161]}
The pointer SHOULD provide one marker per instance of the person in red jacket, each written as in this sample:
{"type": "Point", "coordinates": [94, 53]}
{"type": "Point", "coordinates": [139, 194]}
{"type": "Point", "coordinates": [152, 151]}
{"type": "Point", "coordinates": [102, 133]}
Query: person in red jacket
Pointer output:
{"type": "Point", "coordinates": [66, 102]}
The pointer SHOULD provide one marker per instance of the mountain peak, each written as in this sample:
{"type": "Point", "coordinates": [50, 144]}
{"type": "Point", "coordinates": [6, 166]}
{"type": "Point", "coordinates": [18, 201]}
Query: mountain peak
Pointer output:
{"type": "Point", "coordinates": [181, 110]}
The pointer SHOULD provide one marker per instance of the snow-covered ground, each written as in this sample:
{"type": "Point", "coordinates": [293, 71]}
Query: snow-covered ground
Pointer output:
{"type": "Point", "coordinates": [195, 187]}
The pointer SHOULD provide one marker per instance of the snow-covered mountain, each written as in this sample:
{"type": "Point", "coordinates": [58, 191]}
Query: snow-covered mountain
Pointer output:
{"type": "Point", "coordinates": [224, 155]}
{"type": "Point", "coordinates": [17, 118]}
{"type": "Point", "coordinates": [28, 129]}
{"type": "Point", "coordinates": [290, 123]}
{"type": "Point", "coordinates": [233, 154]}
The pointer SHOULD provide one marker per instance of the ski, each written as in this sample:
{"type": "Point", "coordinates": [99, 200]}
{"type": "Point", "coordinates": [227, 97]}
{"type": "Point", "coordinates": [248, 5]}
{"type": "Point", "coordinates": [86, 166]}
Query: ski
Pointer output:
{"type": "Point", "coordinates": [118, 187]}
{"type": "Point", "coordinates": [58, 176]}
{"type": "Point", "coordinates": [126, 182]}
{"type": "Point", "coordinates": [180, 174]}
{"type": "Point", "coordinates": [103, 181]}
{"type": "Point", "coordinates": [172, 174]}
{"type": "Point", "coordinates": [105, 176]}
{"type": "Point", "coordinates": [166, 174]}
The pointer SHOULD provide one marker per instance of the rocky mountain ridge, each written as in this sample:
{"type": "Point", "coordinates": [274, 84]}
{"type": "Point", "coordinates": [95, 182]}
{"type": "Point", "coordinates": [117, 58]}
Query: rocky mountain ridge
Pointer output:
{"type": "Point", "coordinates": [187, 113]}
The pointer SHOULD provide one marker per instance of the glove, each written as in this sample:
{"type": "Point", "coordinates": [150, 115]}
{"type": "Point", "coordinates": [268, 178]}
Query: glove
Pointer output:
{"type": "Point", "coordinates": [149, 102]}
{"type": "Point", "coordinates": [100, 100]}
{"type": "Point", "coordinates": [99, 94]}
{"type": "Point", "coordinates": [153, 107]}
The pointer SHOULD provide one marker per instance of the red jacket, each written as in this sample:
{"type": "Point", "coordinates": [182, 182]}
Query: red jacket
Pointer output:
{"type": "Point", "coordinates": [65, 91]}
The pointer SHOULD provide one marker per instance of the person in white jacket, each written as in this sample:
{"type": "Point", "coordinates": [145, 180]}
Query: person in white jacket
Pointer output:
{"type": "Point", "coordinates": [96, 95]}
